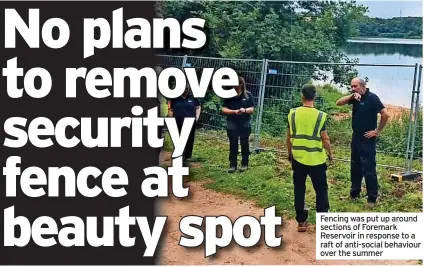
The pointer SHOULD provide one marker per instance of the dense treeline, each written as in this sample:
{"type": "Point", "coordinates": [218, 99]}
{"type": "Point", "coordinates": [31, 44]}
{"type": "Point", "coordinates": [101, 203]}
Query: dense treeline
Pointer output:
{"type": "Point", "coordinates": [272, 30]}
{"type": "Point", "coordinates": [400, 27]}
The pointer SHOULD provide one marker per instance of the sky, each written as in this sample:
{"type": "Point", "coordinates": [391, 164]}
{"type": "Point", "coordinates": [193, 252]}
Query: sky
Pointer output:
{"type": "Point", "coordinates": [389, 9]}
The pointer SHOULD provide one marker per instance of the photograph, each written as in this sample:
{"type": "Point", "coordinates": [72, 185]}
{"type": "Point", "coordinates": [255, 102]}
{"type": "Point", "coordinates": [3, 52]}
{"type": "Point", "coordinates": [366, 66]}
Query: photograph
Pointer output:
{"type": "Point", "coordinates": [327, 119]}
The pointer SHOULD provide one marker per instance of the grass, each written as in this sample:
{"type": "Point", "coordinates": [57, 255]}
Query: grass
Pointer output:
{"type": "Point", "coordinates": [268, 182]}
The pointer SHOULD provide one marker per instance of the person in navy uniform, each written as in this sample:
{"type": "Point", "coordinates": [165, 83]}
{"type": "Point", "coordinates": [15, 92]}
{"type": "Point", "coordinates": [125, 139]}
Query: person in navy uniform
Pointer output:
{"type": "Point", "coordinates": [186, 106]}
{"type": "Point", "coordinates": [365, 107]}
{"type": "Point", "coordinates": [238, 111]}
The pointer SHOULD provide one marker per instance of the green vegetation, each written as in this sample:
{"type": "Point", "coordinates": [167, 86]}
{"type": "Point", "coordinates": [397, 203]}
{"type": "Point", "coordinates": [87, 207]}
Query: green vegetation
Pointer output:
{"type": "Point", "coordinates": [272, 30]}
{"type": "Point", "coordinates": [392, 141]}
{"type": "Point", "coordinates": [268, 181]}
{"type": "Point", "coordinates": [400, 27]}
{"type": "Point", "coordinates": [275, 31]}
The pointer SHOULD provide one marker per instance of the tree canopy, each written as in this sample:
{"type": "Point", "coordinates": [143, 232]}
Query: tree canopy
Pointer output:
{"type": "Point", "coordinates": [400, 27]}
{"type": "Point", "coordinates": [286, 30]}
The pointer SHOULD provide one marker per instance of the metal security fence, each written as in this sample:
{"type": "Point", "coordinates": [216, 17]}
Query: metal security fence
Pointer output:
{"type": "Point", "coordinates": [275, 86]}
{"type": "Point", "coordinates": [170, 61]}
{"type": "Point", "coordinates": [415, 125]}
{"type": "Point", "coordinates": [213, 122]}
{"type": "Point", "coordinates": [251, 70]}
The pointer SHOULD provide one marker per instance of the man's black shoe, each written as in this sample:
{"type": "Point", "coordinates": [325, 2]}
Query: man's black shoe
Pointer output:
{"type": "Point", "coordinates": [232, 169]}
{"type": "Point", "coordinates": [243, 168]}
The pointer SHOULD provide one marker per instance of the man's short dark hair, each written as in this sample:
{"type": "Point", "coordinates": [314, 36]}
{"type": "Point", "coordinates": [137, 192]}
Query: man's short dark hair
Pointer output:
{"type": "Point", "coordinates": [309, 92]}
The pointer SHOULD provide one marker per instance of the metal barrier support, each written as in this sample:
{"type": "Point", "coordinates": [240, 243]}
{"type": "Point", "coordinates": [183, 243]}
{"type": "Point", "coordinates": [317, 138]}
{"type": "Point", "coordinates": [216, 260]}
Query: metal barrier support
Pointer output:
{"type": "Point", "coordinates": [275, 87]}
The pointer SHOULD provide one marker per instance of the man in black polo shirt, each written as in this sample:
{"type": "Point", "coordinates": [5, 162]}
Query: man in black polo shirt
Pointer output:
{"type": "Point", "coordinates": [365, 107]}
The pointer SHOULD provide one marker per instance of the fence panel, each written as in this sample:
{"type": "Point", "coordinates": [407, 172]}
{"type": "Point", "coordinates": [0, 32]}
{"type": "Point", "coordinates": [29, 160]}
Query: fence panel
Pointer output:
{"type": "Point", "coordinates": [212, 120]}
{"type": "Point", "coordinates": [276, 85]}
{"type": "Point", "coordinates": [414, 150]}
{"type": "Point", "coordinates": [392, 83]}
{"type": "Point", "coordinates": [169, 61]}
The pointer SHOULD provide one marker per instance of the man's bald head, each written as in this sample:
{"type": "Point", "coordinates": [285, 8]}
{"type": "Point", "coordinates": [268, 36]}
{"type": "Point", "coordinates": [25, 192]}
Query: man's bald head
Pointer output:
{"type": "Point", "coordinates": [360, 81]}
{"type": "Point", "coordinates": [358, 85]}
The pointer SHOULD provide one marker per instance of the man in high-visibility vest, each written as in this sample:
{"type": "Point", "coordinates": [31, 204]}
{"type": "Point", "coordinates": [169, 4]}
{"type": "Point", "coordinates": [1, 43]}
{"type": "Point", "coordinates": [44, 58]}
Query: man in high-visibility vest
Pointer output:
{"type": "Point", "coordinates": [307, 140]}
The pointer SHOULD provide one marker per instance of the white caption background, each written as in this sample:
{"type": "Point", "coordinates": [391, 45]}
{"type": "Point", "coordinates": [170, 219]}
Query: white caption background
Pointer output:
{"type": "Point", "coordinates": [372, 236]}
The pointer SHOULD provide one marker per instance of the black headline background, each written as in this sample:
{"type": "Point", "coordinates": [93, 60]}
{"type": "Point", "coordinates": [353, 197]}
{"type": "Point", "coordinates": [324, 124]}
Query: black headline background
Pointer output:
{"type": "Point", "coordinates": [55, 106]}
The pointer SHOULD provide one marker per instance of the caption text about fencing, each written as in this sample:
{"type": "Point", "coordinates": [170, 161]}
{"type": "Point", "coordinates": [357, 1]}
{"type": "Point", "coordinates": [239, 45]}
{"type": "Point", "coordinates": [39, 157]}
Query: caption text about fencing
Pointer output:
{"type": "Point", "coordinates": [378, 236]}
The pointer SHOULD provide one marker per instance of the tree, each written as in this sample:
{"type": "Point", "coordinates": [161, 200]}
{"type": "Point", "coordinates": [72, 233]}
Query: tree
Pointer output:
{"type": "Point", "coordinates": [405, 27]}
{"type": "Point", "coordinates": [290, 30]}
{"type": "Point", "coordinates": [284, 31]}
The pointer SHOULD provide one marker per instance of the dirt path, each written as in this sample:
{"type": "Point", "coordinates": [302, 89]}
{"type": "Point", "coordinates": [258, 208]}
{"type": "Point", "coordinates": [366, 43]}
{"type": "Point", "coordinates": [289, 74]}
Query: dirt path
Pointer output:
{"type": "Point", "coordinates": [297, 248]}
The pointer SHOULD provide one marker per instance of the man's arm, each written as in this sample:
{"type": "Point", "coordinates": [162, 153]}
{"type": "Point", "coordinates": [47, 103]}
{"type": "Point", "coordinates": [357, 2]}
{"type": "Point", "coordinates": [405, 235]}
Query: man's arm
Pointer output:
{"type": "Point", "coordinates": [288, 143]}
{"type": "Point", "coordinates": [379, 108]}
{"type": "Point", "coordinates": [326, 144]}
{"type": "Point", "coordinates": [344, 100]}
{"type": "Point", "coordinates": [170, 109]}
{"type": "Point", "coordinates": [383, 120]}
{"type": "Point", "coordinates": [198, 110]}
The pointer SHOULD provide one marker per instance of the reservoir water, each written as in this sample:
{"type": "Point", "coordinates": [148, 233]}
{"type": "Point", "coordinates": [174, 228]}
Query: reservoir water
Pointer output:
{"type": "Point", "coordinates": [392, 84]}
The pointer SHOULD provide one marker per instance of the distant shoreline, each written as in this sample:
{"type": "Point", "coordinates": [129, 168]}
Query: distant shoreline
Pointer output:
{"type": "Point", "coordinates": [379, 37]}
{"type": "Point", "coordinates": [381, 40]}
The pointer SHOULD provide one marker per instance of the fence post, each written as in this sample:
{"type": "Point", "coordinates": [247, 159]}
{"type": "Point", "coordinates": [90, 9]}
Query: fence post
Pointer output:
{"type": "Point", "coordinates": [417, 103]}
{"type": "Point", "coordinates": [408, 140]}
{"type": "Point", "coordinates": [258, 108]}
{"type": "Point", "coordinates": [184, 62]}
{"type": "Point", "coordinates": [260, 103]}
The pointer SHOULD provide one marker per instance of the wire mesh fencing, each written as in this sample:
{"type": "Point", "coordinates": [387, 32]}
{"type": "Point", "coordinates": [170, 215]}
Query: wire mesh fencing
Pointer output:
{"type": "Point", "coordinates": [212, 121]}
{"type": "Point", "coordinates": [392, 83]}
{"type": "Point", "coordinates": [170, 61]}
{"type": "Point", "coordinates": [276, 88]}
{"type": "Point", "coordinates": [413, 154]}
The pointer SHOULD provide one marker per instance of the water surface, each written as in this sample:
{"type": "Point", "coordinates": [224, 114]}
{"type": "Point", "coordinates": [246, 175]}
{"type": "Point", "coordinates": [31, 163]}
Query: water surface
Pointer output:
{"type": "Point", "coordinates": [392, 84]}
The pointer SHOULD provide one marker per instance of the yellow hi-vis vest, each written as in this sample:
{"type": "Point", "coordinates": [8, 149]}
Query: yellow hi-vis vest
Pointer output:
{"type": "Point", "coordinates": [305, 132]}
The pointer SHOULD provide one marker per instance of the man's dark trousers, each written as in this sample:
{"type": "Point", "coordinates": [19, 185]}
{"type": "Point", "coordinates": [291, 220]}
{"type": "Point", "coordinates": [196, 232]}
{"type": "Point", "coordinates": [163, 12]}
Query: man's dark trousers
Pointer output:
{"type": "Point", "coordinates": [190, 142]}
{"type": "Point", "coordinates": [319, 181]}
{"type": "Point", "coordinates": [363, 164]}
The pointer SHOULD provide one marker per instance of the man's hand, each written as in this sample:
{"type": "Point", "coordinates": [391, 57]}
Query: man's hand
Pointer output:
{"type": "Point", "coordinates": [331, 158]}
{"type": "Point", "coordinates": [290, 157]}
{"type": "Point", "coordinates": [356, 96]}
{"type": "Point", "coordinates": [371, 134]}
